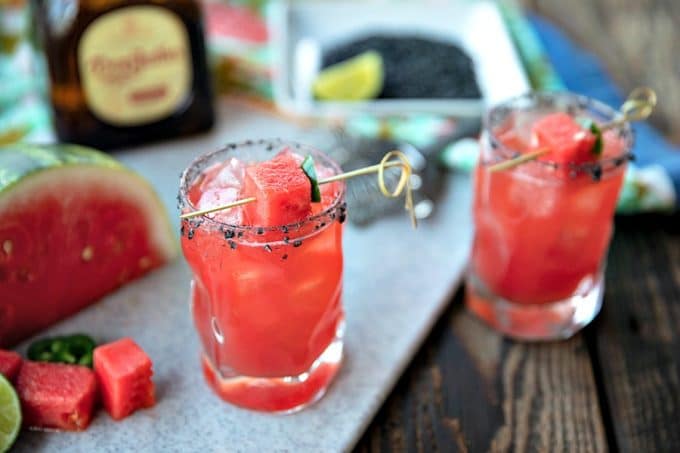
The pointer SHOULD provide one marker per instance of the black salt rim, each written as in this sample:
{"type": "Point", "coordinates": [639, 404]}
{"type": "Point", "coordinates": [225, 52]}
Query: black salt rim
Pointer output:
{"type": "Point", "coordinates": [573, 102]}
{"type": "Point", "coordinates": [334, 211]}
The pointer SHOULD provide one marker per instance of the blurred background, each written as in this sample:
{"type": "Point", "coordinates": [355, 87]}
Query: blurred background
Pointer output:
{"type": "Point", "coordinates": [391, 87]}
{"type": "Point", "coordinates": [635, 39]}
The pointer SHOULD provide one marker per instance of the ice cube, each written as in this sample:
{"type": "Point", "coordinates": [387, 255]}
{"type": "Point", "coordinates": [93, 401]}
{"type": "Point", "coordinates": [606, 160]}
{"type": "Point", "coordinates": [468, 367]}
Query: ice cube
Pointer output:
{"type": "Point", "coordinates": [212, 198]}
{"type": "Point", "coordinates": [231, 175]}
{"type": "Point", "coordinates": [217, 196]}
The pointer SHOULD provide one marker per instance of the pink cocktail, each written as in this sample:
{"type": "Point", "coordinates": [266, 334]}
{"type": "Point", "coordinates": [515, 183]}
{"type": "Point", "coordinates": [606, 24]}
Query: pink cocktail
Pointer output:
{"type": "Point", "coordinates": [542, 229]}
{"type": "Point", "coordinates": [266, 299]}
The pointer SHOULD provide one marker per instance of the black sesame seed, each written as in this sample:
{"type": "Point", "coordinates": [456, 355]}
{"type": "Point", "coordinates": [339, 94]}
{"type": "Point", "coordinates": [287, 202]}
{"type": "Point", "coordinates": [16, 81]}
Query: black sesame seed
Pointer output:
{"type": "Point", "coordinates": [228, 234]}
{"type": "Point", "coordinates": [232, 244]}
{"type": "Point", "coordinates": [297, 243]}
{"type": "Point", "coordinates": [596, 173]}
{"type": "Point", "coordinates": [268, 248]}
{"type": "Point", "coordinates": [190, 235]}
{"type": "Point", "coordinates": [342, 218]}
{"type": "Point", "coordinates": [284, 229]}
{"type": "Point", "coordinates": [240, 234]}
{"type": "Point", "coordinates": [181, 230]}
{"type": "Point", "coordinates": [323, 224]}
{"type": "Point", "coordinates": [284, 257]}
{"type": "Point", "coordinates": [316, 227]}
{"type": "Point", "coordinates": [285, 239]}
{"type": "Point", "coordinates": [260, 231]}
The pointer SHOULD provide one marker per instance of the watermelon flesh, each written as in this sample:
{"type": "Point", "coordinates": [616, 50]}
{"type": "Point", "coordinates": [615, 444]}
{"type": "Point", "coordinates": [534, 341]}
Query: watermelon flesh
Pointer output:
{"type": "Point", "coordinates": [124, 374]}
{"type": "Point", "coordinates": [74, 225]}
{"type": "Point", "coordinates": [567, 140]}
{"type": "Point", "coordinates": [282, 190]}
{"type": "Point", "coordinates": [56, 395]}
{"type": "Point", "coordinates": [10, 363]}
{"type": "Point", "coordinates": [235, 22]}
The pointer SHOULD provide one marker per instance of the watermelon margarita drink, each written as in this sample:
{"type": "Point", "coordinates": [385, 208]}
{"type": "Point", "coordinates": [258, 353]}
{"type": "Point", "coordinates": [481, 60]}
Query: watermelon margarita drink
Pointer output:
{"type": "Point", "coordinates": [267, 276]}
{"type": "Point", "coordinates": [542, 228]}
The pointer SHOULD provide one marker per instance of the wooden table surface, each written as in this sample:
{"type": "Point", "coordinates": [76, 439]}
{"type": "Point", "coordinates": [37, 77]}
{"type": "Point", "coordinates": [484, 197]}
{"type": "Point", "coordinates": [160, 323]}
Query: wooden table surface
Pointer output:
{"type": "Point", "coordinates": [616, 385]}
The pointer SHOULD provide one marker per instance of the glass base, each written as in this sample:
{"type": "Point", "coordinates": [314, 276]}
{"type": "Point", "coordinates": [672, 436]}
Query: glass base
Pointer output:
{"type": "Point", "coordinates": [284, 395]}
{"type": "Point", "coordinates": [536, 322]}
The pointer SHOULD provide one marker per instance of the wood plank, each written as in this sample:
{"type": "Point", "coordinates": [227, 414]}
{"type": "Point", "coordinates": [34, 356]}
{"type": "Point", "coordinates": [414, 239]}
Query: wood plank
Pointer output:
{"type": "Point", "coordinates": [636, 39]}
{"type": "Point", "coordinates": [469, 390]}
{"type": "Point", "coordinates": [638, 334]}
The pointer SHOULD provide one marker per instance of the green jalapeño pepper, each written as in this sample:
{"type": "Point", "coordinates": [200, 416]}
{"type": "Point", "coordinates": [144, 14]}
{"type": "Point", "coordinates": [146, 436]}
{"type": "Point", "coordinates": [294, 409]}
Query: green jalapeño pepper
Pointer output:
{"type": "Point", "coordinates": [72, 349]}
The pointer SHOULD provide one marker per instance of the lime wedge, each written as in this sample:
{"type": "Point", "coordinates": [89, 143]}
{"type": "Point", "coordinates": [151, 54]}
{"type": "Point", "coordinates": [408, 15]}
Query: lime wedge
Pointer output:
{"type": "Point", "coordinates": [358, 78]}
{"type": "Point", "coordinates": [10, 414]}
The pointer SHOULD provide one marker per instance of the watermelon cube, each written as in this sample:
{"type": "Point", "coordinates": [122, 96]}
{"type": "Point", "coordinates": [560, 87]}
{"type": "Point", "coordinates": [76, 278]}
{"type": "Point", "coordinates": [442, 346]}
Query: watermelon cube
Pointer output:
{"type": "Point", "coordinates": [567, 140]}
{"type": "Point", "coordinates": [282, 189]}
{"type": "Point", "coordinates": [124, 373]}
{"type": "Point", "coordinates": [56, 395]}
{"type": "Point", "coordinates": [10, 363]}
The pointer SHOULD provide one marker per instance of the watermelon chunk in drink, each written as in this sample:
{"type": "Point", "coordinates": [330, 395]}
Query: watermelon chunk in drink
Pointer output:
{"type": "Point", "coordinates": [282, 190]}
{"type": "Point", "coordinates": [10, 364]}
{"type": "Point", "coordinates": [124, 373]}
{"type": "Point", "coordinates": [56, 395]}
{"type": "Point", "coordinates": [566, 139]}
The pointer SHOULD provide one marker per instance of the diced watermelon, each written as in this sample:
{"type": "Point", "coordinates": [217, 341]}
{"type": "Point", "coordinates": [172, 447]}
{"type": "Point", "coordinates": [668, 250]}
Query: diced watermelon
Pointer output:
{"type": "Point", "coordinates": [10, 363]}
{"type": "Point", "coordinates": [56, 395]}
{"type": "Point", "coordinates": [567, 140]}
{"type": "Point", "coordinates": [282, 189]}
{"type": "Point", "coordinates": [124, 373]}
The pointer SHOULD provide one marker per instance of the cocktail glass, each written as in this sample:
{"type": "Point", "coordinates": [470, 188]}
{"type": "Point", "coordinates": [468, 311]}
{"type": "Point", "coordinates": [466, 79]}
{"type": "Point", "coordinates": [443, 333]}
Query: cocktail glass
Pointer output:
{"type": "Point", "coordinates": [542, 229]}
{"type": "Point", "coordinates": [266, 301]}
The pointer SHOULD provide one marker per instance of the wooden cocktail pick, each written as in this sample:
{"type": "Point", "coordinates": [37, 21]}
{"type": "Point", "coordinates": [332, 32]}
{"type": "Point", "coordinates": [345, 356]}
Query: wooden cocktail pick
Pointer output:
{"type": "Point", "coordinates": [637, 107]}
{"type": "Point", "coordinates": [390, 160]}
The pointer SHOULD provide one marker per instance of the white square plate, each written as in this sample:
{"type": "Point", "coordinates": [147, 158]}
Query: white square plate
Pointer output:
{"type": "Point", "coordinates": [302, 29]}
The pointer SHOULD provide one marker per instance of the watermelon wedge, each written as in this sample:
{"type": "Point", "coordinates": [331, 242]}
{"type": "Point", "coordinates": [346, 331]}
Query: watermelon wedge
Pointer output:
{"type": "Point", "coordinates": [74, 225]}
{"type": "Point", "coordinates": [56, 396]}
{"type": "Point", "coordinates": [124, 374]}
{"type": "Point", "coordinates": [10, 363]}
{"type": "Point", "coordinates": [282, 190]}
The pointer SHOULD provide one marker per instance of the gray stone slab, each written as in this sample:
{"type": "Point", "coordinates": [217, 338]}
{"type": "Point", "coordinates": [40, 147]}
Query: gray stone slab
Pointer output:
{"type": "Point", "coordinates": [397, 281]}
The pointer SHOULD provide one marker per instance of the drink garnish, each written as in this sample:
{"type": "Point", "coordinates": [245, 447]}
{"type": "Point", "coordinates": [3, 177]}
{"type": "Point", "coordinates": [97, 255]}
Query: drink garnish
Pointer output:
{"type": "Point", "coordinates": [588, 124]}
{"type": "Point", "coordinates": [404, 184]}
{"type": "Point", "coordinates": [309, 170]}
{"type": "Point", "coordinates": [637, 107]}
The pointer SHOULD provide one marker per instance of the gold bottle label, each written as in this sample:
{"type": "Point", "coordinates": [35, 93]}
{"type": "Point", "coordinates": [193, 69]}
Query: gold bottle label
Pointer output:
{"type": "Point", "coordinates": [135, 65]}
